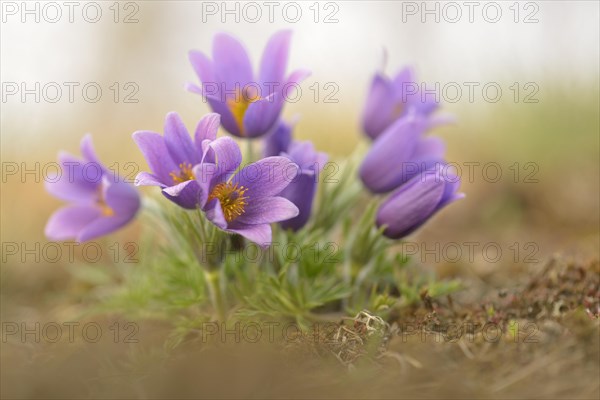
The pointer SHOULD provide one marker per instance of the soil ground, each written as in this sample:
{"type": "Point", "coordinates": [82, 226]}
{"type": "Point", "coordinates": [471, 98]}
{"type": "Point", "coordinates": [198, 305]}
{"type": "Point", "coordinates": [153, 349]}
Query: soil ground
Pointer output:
{"type": "Point", "coordinates": [540, 339]}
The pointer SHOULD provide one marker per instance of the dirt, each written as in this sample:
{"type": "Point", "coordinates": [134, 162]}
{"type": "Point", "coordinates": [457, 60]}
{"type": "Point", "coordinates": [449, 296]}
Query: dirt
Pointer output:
{"type": "Point", "coordinates": [539, 339]}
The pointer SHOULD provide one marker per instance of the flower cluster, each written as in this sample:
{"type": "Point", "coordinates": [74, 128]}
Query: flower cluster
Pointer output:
{"type": "Point", "coordinates": [402, 159]}
{"type": "Point", "coordinates": [201, 173]}
{"type": "Point", "coordinates": [206, 173]}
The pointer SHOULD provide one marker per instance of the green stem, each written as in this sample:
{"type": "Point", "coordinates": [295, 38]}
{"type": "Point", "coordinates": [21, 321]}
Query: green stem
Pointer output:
{"type": "Point", "coordinates": [202, 226]}
{"type": "Point", "coordinates": [216, 295]}
{"type": "Point", "coordinates": [347, 277]}
{"type": "Point", "coordinates": [249, 152]}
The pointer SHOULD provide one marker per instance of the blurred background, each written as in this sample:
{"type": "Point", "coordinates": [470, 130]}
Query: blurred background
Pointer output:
{"type": "Point", "coordinates": [545, 123]}
{"type": "Point", "coordinates": [542, 55]}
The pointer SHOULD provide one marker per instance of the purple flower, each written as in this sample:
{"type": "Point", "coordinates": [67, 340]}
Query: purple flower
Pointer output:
{"type": "Point", "coordinates": [413, 203]}
{"type": "Point", "coordinates": [279, 140]}
{"type": "Point", "coordinates": [99, 201]}
{"type": "Point", "coordinates": [172, 158]}
{"type": "Point", "coordinates": [390, 99]}
{"type": "Point", "coordinates": [400, 153]}
{"type": "Point", "coordinates": [249, 103]}
{"type": "Point", "coordinates": [301, 191]}
{"type": "Point", "coordinates": [245, 202]}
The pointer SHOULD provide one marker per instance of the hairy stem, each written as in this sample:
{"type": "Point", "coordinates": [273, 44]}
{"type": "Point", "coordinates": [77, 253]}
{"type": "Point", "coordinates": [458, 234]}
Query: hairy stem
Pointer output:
{"type": "Point", "coordinates": [216, 295]}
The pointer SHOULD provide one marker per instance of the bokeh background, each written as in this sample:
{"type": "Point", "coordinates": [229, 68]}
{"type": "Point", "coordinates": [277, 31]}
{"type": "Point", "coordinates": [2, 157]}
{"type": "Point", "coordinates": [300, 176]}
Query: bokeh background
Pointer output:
{"type": "Point", "coordinates": [558, 54]}
{"type": "Point", "coordinates": [557, 51]}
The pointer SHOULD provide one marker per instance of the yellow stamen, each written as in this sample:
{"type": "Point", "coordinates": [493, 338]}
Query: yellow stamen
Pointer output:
{"type": "Point", "coordinates": [106, 210]}
{"type": "Point", "coordinates": [238, 105]}
{"type": "Point", "coordinates": [398, 110]}
{"type": "Point", "coordinates": [184, 174]}
{"type": "Point", "coordinates": [232, 199]}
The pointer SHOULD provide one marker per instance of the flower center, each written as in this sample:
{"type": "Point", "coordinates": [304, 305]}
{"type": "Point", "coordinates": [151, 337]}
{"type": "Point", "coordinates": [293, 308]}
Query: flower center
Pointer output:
{"type": "Point", "coordinates": [232, 199]}
{"type": "Point", "coordinates": [106, 210]}
{"type": "Point", "coordinates": [184, 174]}
{"type": "Point", "coordinates": [397, 110]}
{"type": "Point", "coordinates": [238, 104]}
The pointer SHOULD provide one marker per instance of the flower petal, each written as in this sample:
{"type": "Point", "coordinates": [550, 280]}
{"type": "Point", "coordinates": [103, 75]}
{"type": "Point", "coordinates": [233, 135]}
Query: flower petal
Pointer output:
{"type": "Point", "coordinates": [75, 181]}
{"type": "Point", "coordinates": [378, 108]}
{"type": "Point", "coordinates": [207, 175]}
{"type": "Point", "coordinates": [267, 177]}
{"type": "Point", "coordinates": [428, 156]}
{"type": "Point", "coordinates": [424, 102]}
{"type": "Point", "coordinates": [88, 152]}
{"type": "Point", "coordinates": [157, 156]}
{"type": "Point", "coordinates": [301, 192]}
{"type": "Point", "coordinates": [122, 197]}
{"type": "Point", "coordinates": [259, 234]}
{"type": "Point", "coordinates": [279, 140]}
{"type": "Point", "coordinates": [206, 130]}
{"type": "Point", "coordinates": [147, 179]}
{"type": "Point", "coordinates": [404, 80]}
{"type": "Point", "coordinates": [214, 213]}
{"type": "Point", "coordinates": [178, 141]}
{"type": "Point", "coordinates": [274, 59]}
{"type": "Point", "coordinates": [452, 185]}
{"type": "Point", "coordinates": [202, 65]}
{"type": "Point", "coordinates": [193, 88]}
{"type": "Point", "coordinates": [391, 155]}
{"type": "Point", "coordinates": [231, 63]}
{"type": "Point", "coordinates": [218, 104]}
{"type": "Point", "coordinates": [68, 222]}
{"type": "Point", "coordinates": [429, 148]}
{"type": "Point", "coordinates": [408, 91]}
{"type": "Point", "coordinates": [227, 154]}
{"type": "Point", "coordinates": [186, 194]}
{"type": "Point", "coordinates": [228, 157]}
{"type": "Point", "coordinates": [101, 226]}
{"type": "Point", "coordinates": [262, 115]}
{"type": "Point", "coordinates": [266, 210]}
{"type": "Point", "coordinates": [307, 158]}
{"type": "Point", "coordinates": [227, 119]}
{"type": "Point", "coordinates": [410, 206]}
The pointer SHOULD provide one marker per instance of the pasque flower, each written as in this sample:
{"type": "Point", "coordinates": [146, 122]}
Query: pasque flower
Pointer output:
{"type": "Point", "coordinates": [100, 202]}
{"type": "Point", "coordinates": [401, 152]}
{"type": "Point", "coordinates": [279, 140]}
{"type": "Point", "coordinates": [248, 201]}
{"type": "Point", "coordinates": [249, 103]}
{"type": "Point", "coordinates": [172, 158]}
{"type": "Point", "coordinates": [389, 99]}
{"type": "Point", "coordinates": [412, 204]}
{"type": "Point", "coordinates": [301, 190]}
